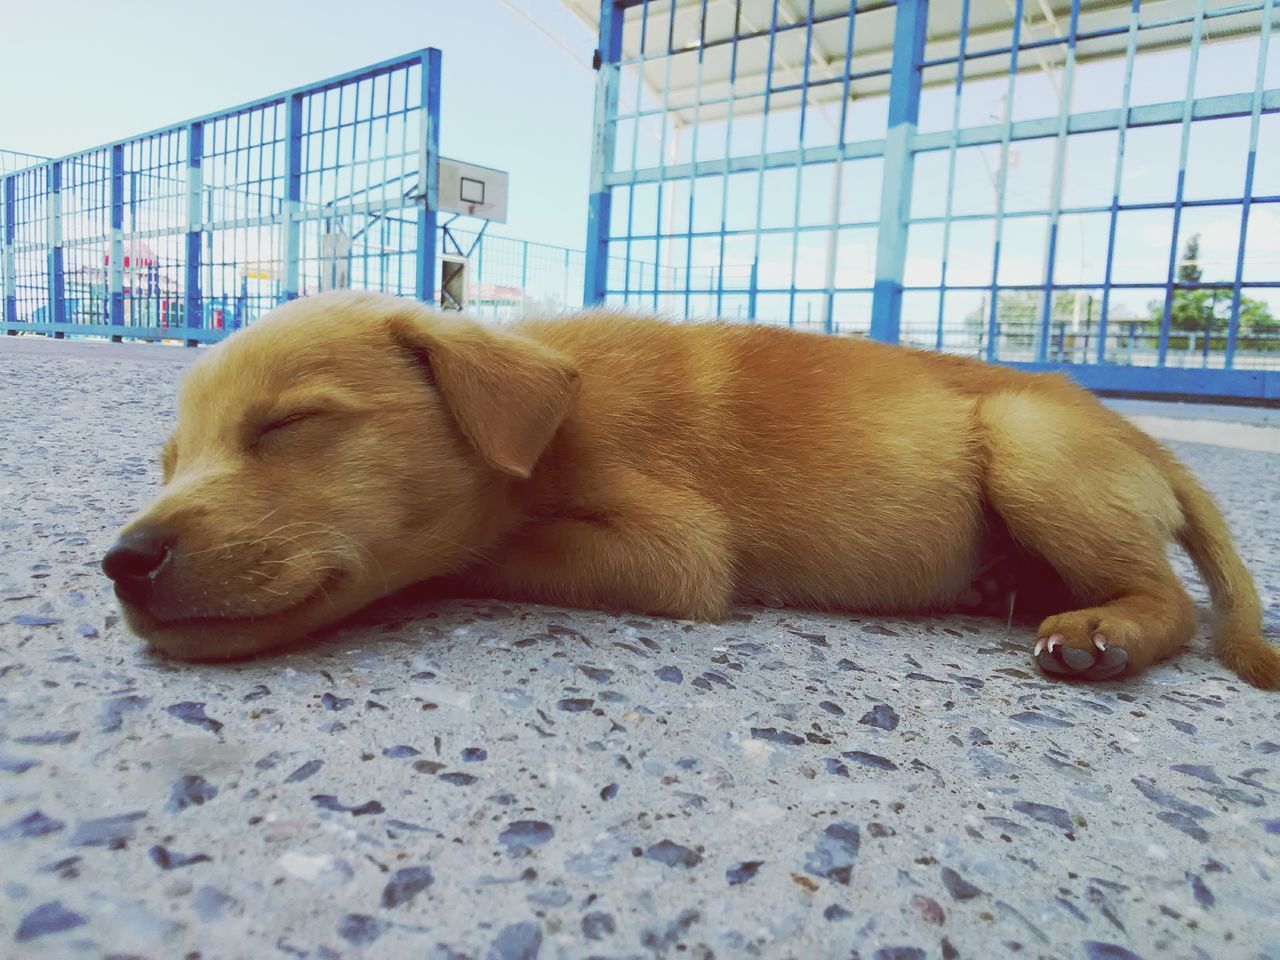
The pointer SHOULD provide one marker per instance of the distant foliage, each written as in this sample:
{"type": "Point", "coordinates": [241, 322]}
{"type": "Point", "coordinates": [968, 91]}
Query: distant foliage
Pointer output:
{"type": "Point", "coordinates": [1208, 309]}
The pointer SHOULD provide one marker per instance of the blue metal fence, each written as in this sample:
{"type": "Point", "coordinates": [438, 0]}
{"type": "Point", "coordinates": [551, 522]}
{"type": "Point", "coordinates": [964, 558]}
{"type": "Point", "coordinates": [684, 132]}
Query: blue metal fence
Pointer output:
{"type": "Point", "coordinates": [193, 230]}
{"type": "Point", "coordinates": [190, 232]}
{"type": "Point", "coordinates": [1088, 186]}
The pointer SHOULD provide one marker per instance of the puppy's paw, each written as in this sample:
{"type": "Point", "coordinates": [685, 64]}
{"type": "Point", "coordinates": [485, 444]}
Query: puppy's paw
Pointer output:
{"type": "Point", "coordinates": [1082, 645]}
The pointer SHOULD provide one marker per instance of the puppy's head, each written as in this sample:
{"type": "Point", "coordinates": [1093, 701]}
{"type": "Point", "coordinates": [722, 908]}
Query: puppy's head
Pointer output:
{"type": "Point", "coordinates": [343, 447]}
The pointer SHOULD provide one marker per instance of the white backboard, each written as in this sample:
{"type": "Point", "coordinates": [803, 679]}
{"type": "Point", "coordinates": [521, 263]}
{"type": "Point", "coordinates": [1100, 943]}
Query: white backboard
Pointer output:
{"type": "Point", "coordinates": [473, 191]}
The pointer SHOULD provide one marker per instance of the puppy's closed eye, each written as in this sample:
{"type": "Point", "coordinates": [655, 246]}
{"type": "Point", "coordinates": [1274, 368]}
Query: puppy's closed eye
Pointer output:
{"type": "Point", "coordinates": [278, 428]}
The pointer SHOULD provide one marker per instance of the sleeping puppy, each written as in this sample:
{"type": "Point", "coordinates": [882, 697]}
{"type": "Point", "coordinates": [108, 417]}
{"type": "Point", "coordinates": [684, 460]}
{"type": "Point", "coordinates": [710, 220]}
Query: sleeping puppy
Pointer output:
{"type": "Point", "coordinates": [350, 444]}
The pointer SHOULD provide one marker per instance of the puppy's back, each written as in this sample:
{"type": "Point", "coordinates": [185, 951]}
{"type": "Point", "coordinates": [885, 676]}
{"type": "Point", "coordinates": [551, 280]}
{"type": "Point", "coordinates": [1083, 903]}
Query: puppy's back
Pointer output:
{"type": "Point", "coordinates": [802, 441]}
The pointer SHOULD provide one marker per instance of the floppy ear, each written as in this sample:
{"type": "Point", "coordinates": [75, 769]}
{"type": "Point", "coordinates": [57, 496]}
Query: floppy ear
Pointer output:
{"type": "Point", "coordinates": [508, 394]}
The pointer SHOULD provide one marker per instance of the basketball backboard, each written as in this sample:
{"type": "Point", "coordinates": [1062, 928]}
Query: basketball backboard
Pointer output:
{"type": "Point", "coordinates": [473, 191]}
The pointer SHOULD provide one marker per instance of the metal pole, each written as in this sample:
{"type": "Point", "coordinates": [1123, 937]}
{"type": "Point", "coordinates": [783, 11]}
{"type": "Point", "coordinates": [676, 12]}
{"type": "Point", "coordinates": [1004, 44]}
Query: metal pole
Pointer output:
{"type": "Point", "coordinates": [428, 177]}
{"type": "Point", "coordinates": [899, 163]}
{"type": "Point", "coordinates": [292, 196]}
{"type": "Point", "coordinates": [799, 179]}
{"type": "Point", "coordinates": [666, 189]}
{"type": "Point", "coordinates": [524, 273]}
{"type": "Point", "coordinates": [193, 303]}
{"type": "Point", "coordinates": [1131, 48]}
{"type": "Point", "coordinates": [957, 100]}
{"type": "Point", "coordinates": [115, 264]}
{"type": "Point", "coordinates": [1188, 106]}
{"type": "Point", "coordinates": [1002, 181]}
{"type": "Point", "coordinates": [596, 281]}
{"type": "Point", "coordinates": [763, 165]}
{"type": "Point", "coordinates": [57, 288]}
{"type": "Point", "coordinates": [1233, 327]}
{"type": "Point", "coordinates": [728, 145]}
{"type": "Point", "coordinates": [10, 303]}
{"type": "Point", "coordinates": [837, 188]}
{"type": "Point", "coordinates": [693, 158]}
{"type": "Point", "coordinates": [1059, 165]}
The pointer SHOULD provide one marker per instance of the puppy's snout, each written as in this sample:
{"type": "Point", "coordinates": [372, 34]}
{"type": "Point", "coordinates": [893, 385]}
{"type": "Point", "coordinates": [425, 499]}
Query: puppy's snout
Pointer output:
{"type": "Point", "coordinates": [136, 560]}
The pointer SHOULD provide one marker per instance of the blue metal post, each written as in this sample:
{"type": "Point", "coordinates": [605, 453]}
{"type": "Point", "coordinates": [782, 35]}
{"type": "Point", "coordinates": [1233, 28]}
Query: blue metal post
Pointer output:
{"type": "Point", "coordinates": [1188, 109]}
{"type": "Point", "coordinates": [479, 258]}
{"type": "Point", "coordinates": [693, 155]}
{"type": "Point", "coordinates": [764, 150]}
{"type": "Point", "coordinates": [1059, 165]}
{"type": "Point", "coordinates": [428, 177]}
{"type": "Point", "coordinates": [961, 54]}
{"type": "Point", "coordinates": [899, 164]}
{"type": "Point", "coordinates": [193, 313]}
{"type": "Point", "coordinates": [1233, 329]}
{"type": "Point", "coordinates": [665, 193]}
{"type": "Point", "coordinates": [724, 181]}
{"type": "Point", "coordinates": [115, 260]}
{"type": "Point", "coordinates": [524, 272]}
{"type": "Point", "coordinates": [57, 285]}
{"type": "Point", "coordinates": [10, 311]}
{"type": "Point", "coordinates": [837, 185]}
{"type": "Point", "coordinates": [292, 194]}
{"type": "Point", "coordinates": [596, 282]}
{"type": "Point", "coordinates": [1131, 49]}
{"type": "Point", "coordinates": [795, 243]}
{"type": "Point", "coordinates": [1002, 181]}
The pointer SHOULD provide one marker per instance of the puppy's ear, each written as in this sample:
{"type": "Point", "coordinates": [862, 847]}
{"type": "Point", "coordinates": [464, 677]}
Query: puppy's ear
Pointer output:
{"type": "Point", "coordinates": [508, 394]}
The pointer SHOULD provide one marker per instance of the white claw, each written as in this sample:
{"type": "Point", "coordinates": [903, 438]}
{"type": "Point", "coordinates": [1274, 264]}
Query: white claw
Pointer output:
{"type": "Point", "coordinates": [1054, 641]}
{"type": "Point", "coordinates": [1040, 646]}
{"type": "Point", "coordinates": [1100, 641]}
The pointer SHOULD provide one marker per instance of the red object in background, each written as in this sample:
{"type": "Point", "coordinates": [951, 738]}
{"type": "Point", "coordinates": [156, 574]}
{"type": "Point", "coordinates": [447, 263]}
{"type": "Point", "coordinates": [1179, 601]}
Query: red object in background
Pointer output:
{"type": "Point", "coordinates": [136, 254]}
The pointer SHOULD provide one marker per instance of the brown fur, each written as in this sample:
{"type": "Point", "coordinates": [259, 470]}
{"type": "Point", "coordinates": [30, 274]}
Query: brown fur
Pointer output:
{"type": "Point", "coordinates": [606, 460]}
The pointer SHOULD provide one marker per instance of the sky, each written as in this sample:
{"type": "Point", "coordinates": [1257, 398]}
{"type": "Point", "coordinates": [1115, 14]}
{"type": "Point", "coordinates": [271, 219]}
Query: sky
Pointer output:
{"type": "Point", "coordinates": [86, 73]}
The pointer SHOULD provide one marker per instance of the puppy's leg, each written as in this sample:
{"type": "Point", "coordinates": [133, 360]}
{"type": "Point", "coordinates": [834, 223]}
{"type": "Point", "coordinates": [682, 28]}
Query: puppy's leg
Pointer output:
{"type": "Point", "coordinates": [1073, 490]}
{"type": "Point", "coordinates": [636, 545]}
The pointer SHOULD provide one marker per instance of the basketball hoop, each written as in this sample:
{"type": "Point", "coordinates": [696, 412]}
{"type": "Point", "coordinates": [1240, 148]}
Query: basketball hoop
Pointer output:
{"type": "Point", "coordinates": [473, 191]}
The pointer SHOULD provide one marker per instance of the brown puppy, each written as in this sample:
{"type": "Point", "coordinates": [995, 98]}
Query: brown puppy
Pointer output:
{"type": "Point", "coordinates": [350, 444]}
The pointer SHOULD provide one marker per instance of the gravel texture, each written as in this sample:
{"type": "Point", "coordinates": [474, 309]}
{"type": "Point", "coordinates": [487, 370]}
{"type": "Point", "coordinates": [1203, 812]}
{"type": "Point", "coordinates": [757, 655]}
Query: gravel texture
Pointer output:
{"type": "Point", "coordinates": [495, 781]}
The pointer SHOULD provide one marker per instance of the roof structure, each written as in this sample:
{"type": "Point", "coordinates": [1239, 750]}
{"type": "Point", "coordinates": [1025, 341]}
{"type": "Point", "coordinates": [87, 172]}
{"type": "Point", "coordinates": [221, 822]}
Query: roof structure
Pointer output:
{"type": "Point", "coordinates": [1102, 31]}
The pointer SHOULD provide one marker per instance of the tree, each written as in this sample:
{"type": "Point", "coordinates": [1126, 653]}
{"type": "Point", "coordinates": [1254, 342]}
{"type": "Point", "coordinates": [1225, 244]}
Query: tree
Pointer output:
{"type": "Point", "coordinates": [1208, 309]}
{"type": "Point", "coordinates": [1198, 310]}
{"type": "Point", "coordinates": [1257, 319]}
{"type": "Point", "coordinates": [1019, 314]}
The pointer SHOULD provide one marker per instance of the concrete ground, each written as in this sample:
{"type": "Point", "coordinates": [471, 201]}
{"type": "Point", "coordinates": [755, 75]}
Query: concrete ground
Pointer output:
{"type": "Point", "coordinates": [494, 781]}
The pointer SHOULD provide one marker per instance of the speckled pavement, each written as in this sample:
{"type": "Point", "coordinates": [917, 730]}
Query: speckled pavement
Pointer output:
{"type": "Point", "coordinates": [494, 781]}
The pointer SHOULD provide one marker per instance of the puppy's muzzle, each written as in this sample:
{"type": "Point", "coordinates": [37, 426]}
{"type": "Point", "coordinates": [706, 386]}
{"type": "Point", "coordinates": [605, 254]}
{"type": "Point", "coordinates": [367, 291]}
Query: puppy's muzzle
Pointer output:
{"type": "Point", "coordinates": [137, 560]}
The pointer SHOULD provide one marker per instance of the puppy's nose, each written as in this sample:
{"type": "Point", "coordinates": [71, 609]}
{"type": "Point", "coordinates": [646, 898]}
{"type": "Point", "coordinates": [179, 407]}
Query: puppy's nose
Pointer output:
{"type": "Point", "coordinates": [137, 558]}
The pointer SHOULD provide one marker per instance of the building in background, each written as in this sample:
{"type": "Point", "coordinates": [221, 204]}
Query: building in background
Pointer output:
{"type": "Point", "coordinates": [1041, 182]}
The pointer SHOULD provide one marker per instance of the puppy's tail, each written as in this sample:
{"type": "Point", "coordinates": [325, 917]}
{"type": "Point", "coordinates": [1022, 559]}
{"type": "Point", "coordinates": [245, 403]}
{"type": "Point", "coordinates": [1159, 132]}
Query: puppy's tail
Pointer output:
{"type": "Point", "coordinates": [1237, 631]}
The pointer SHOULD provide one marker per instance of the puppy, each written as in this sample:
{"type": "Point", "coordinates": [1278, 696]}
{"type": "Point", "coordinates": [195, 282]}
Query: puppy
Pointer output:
{"type": "Point", "coordinates": [349, 444]}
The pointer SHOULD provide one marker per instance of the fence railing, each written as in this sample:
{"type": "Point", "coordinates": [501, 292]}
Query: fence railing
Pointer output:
{"type": "Point", "coordinates": [12, 161]}
{"type": "Point", "coordinates": [510, 276]}
{"type": "Point", "coordinates": [905, 168]}
{"type": "Point", "coordinates": [191, 230]}
{"type": "Point", "coordinates": [194, 231]}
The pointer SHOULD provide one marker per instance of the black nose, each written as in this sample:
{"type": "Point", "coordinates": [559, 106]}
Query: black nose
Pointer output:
{"type": "Point", "coordinates": [137, 558]}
